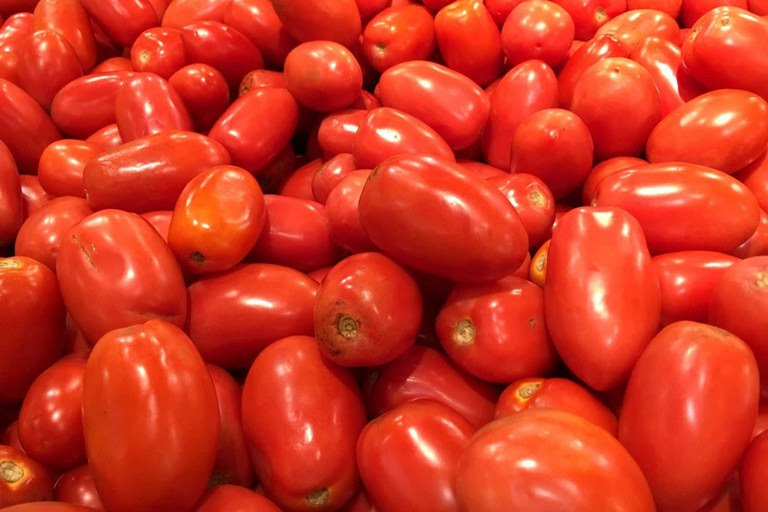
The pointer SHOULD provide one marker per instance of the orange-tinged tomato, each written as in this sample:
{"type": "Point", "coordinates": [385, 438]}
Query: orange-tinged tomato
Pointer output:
{"type": "Point", "coordinates": [22, 479]}
{"type": "Point", "coordinates": [538, 266]}
{"type": "Point", "coordinates": [62, 164]}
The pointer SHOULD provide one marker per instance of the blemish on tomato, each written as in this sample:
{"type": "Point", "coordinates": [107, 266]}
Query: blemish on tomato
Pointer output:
{"type": "Point", "coordinates": [464, 333]}
{"type": "Point", "coordinates": [11, 472]}
{"type": "Point", "coordinates": [526, 391]}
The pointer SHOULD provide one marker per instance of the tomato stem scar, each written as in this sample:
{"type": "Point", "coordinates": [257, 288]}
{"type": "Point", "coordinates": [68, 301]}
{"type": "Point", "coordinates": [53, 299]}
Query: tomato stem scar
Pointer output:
{"type": "Point", "coordinates": [347, 327]}
{"type": "Point", "coordinates": [10, 471]}
{"type": "Point", "coordinates": [464, 334]}
{"type": "Point", "coordinates": [319, 497]}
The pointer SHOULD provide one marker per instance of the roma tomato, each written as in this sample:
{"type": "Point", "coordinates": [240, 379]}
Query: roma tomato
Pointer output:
{"type": "Point", "coordinates": [409, 209]}
{"type": "Point", "coordinates": [115, 270]}
{"type": "Point", "coordinates": [671, 7]}
{"type": "Point", "coordinates": [757, 244]}
{"type": "Point", "coordinates": [122, 20]}
{"type": "Point", "coordinates": [132, 416]}
{"type": "Point", "coordinates": [343, 216]}
{"type": "Point", "coordinates": [107, 137]}
{"type": "Point", "coordinates": [68, 18]}
{"type": "Point", "coordinates": [632, 27]}
{"type": "Point", "coordinates": [683, 206]}
{"type": "Point", "coordinates": [33, 326]}
{"type": "Point", "coordinates": [234, 315]}
{"type": "Point", "coordinates": [160, 220]}
{"type": "Point", "coordinates": [458, 113]}
{"type": "Point", "coordinates": [112, 65]}
{"type": "Point", "coordinates": [556, 393]}
{"type": "Point", "coordinates": [217, 220]}
{"type": "Point", "coordinates": [302, 416]}
{"type": "Point", "coordinates": [47, 506]}
{"type": "Point", "coordinates": [76, 486]}
{"type": "Point", "coordinates": [594, 50]}
{"type": "Point", "coordinates": [229, 498]}
{"type": "Point", "coordinates": [367, 311]}
{"type": "Point", "coordinates": [414, 448]}
{"type": "Point", "coordinates": [679, 418]}
{"type": "Point", "coordinates": [323, 20]}
{"type": "Point", "coordinates": [692, 10]}
{"type": "Point", "coordinates": [330, 174]}
{"type": "Point", "coordinates": [22, 479]}
{"type": "Point", "coordinates": [11, 202]}
{"type": "Point", "coordinates": [544, 459]}
{"type": "Point", "coordinates": [752, 473]}
{"type": "Point", "coordinates": [261, 78]}
{"type": "Point", "coordinates": [601, 296]}
{"type": "Point", "coordinates": [603, 169]}
{"type": "Point", "coordinates": [724, 129]}
{"type": "Point", "coordinates": [204, 91]}
{"type": "Point", "coordinates": [589, 15]}
{"type": "Point", "coordinates": [537, 30]}
{"type": "Point", "coordinates": [183, 12]}
{"type": "Point", "coordinates": [159, 50]}
{"type": "Point", "coordinates": [537, 268]}
{"type": "Point", "coordinates": [336, 133]}
{"type": "Point", "coordinates": [32, 194]}
{"type": "Point", "coordinates": [61, 166]}
{"type": "Point", "coordinates": [149, 173]}
{"type": "Point", "coordinates": [755, 177]}
{"type": "Point", "coordinates": [399, 34]}
{"type": "Point", "coordinates": [299, 182]}
{"type": "Point", "coordinates": [258, 21]}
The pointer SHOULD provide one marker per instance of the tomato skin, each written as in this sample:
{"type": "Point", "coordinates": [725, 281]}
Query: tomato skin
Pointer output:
{"type": "Point", "coordinates": [229, 498]}
{"type": "Point", "coordinates": [11, 202]}
{"type": "Point", "coordinates": [23, 479]}
{"type": "Point", "coordinates": [187, 437]}
{"type": "Point", "coordinates": [115, 270]}
{"type": "Point", "coordinates": [112, 65]}
{"type": "Point", "coordinates": [524, 90]}
{"type": "Point", "coordinates": [537, 267]}
{"type": "Point", "coordinates": [234, 315]}
{"type": "Point", "coordinates": [386, 132]}
{"type": "Point", "coordinates": [323, 20]}
{"type": "Point", "coordinates": [299, 183]}
{"type": "Point", "coordinates": [594, 50]}
{"type": "Point", "coordinates": [291, 390]}
{"type": "Point", "coordinates": [342, 214]}
{"type": "Point", "coordinates": [632, 27]}
{"type": "Point", "coordinates": [160, 220]}
{"type": "Point", "coordinates": [575, 466]}
{"type": "Point", "coordinates": [183, 12]}
{"type": "Point", "coordinates": [106, 138]}
{"type": "Point", "coordinates": [336, 133]}
{"type": "Point", "coordinates": [555, 393]}
{"type": "Point", "coordinates": [495, 247]}
{"type": "Point", "coordinates": [149, 173]}
{"type": "Point", "coordinates": [692, 10]}
{"type": "Point", "coordinates": [47, 506]}
{"type": "Point", "coordinates": [414, 448]}
{"type": "Point", "coordinates": [76, 487]}
{"type": "Point", "coordinates": [589, 15]}
{"type": "Point", "coordinates": [204, 91]}
{"type": "Point", "coordinates": [32, 194]}
{"type": "Point", "coordinates": [330, 174]}
{"type": "Point", "coordinates": [159, 50]}
{"type": "Point", "coordinates": [47, 62]}
{"type": "Point", "coordinates": [399, 34]}
{"type": "Point", "coordinates": [752, 475]}
{"type": "Point", "coordinates": [755, 177]}
{"type": "Point", "coordinates": [601, 296]}
{"type": "Point", "coordinates": [679, 411]}
{"type": "Point", "coordinates": [122, 20]}
{"type": "Point", "coordinates": [13, 34]}
{"type": "Point", "coordinates": [603, 169]}
{"type": "Point", "coordinates": [258, 21]}
{"type": "Point", "coordinates": [537, 30]}
{"type": "Point", "coordinates": [68, 18]}
{"type": "Point", "coordinates": [61, 166]}
{"type": "Point", "coordinates": [257, 126]}
{"type": "Point", "coordinates": [757, 244]}
{"type": "Point", "coordinates": [217, 219]}
{"type": "Point", "coordinates": [33, 331]}
{"type": "Point", "coordinates": [683, 206]}
{"type": "Point", "coordinates": [458, 114]}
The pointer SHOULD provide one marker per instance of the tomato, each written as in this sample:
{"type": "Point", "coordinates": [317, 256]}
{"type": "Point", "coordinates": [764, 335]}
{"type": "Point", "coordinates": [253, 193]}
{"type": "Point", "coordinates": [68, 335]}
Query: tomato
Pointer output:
{"type": "Point", "coordinates": [589, 15]}
{"type": "Point", "coordinates": [398, 34]}
{"type": "Point", "coordinates": [115, 270]}
{"type": "Point", "coordinates": [272, 177]}
{"type": "Point", "coordinates": [11, 203]}
{"type": "Point", "coordinates": [10, 436]}
{"type": "Point", "coordinates": [683, 206]}
{"type": "Point", "coordinates": [330, 174]}
{"type": "Point", "coordinates": [258, 21]}
{"type": "Point", "coordinates": [755, 177]}
{"type": "Point", "coordinates": [632, 27]}
{"type": "Point", "coordinates": [146, 105]}
{"type": "Point", "coordinates": [336, 133]}
{"type": "Point", "coordinates": [324, 20]}
{"type": "Point", "coordinates": [594, 50]}
{"type": "Point", "coordinates": [261, 78]}
{"type": "Point", "coordinates": [688, 280]}
{"type": "Point", "coordinates": [414, 448]}
{"type": "Point", "coordinates": [680, 420]}
{"type": "Point", "coordinates": [183, 12]}
{"type": "Point", "coordinates": [68, 18]}
{"type": "Point", "coordinates": [22, 479]}
{"type": "Point", "coordinates": [360, 502]}
{"type": "Point", "coordinates": [458, 114]}
{"type": "Point", "coordinates": [299, 183]}
{"type": "Point", "coordinates": [160, 220]}
{"type": "Point", "coordinates": [33, 326]}
{"type": "Point", "coordinates": [107, 137]}
{"type": "Point", "coordinates": [537, 267]}
{"type": "Point", "coordinates": [32, 193]}
{"type": "Point", "coordinates": [149, 173]}
{"type": "Point", "coordinates": [47, 506]}
{"type": "Point", "coordinates": [407, 197]}
{"type": "Point", "coordinates": [692, 10]}
{"type": "Point", "coordinates": [543, 459]}
{"type": "Point", "coordinates": [302, 416]}
{"type": "Point", "coordinates": [525, 89]}
{"type": "Point", "coordinates": [500, 9]}
{"type": "Point", "coordinates": [204, 92]}
{"type": "Point", "coordinates": [13, 34]}
{"type": "Point", "coordinates": [228, 498]}
{"type": "Point", "coordinates": [113, 65]}
{"type": "Point", "coordinates": [76, 486]}
{"type": "Point", "coordinates": [158, 50]}
{"type": "Point", "coordinates": [234, 315]}
{"type": "Point", "coordinates": [752, 475]}
{"type": "Point", "coordinates": [257, 126]}
{"type": "Point", "coordinates": [757, 244]}
{"type": "Point", "coordinates": [605, 168]}
{"type": "Point", "coordinates": [132, 416]}
{"type": "Point", "coordinates": [47, 62]}
{"type": "Point", "coordinates": [122, 20]}
{"type": "Point", "coordinates": [537, 30]}
{"type": "Point", "coordinates": [341, 208]}
{"type": "Point", "coordinates": [61, 166]}
{"type": "Point", "coordinates": [601, 296]}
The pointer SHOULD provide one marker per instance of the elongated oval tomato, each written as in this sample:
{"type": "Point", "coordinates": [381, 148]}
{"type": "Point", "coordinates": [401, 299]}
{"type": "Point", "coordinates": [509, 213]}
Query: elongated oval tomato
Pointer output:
{"type": "Point", "coordinates": [184, 12]}
{"type": "Point", "coordinates": [22, 479]}
{"type": "Point", "coordinates": [130, 416]}
{"type": "Point", "coordinates": [533, 201]}
{"type": "Point", "coordinates": [11, 202]}
{"type": "Point", "coordinates": [122, 20]}
{"type": "Point", "coordinates": [115, 270]}
{"type": "Point", "coordinates": [632, 27]}
{"type": "Point", "coordinates": [598, 48]}
{"type": "Point", "coordinates": [342, 213]}
{"type": "Point", "coordinates": [323, 20]}
{"type": "Point", "coordinates": [68, 18]}
{"type": "Point", "coordinates": [590, 15]}
{"type": "Point", "coordinates": [543, 459]}
{"type": "Point", "coordinates": [336, 133]}
{"type": "Point", "coordinates": [62, 164]}
{"type": "Point", "coordinates": [76, 487]}
{"type": "Point", "coordinates": [537, 30]}
{"type": "Point", "coordinates": [752, 473]}
{"type": "Point", "coordinates": [258, 21]}
{"type": "Point", "coordinates": [158, 50]}
{"type": "Point", "coordinates": [414, 448]}
{"type": "Point", "coordinates": [32, 193]}
{"type": "Point", "coordinates": [680, 419]}
{"type": "Point", "coordinates": [683, 206]}
{"type": "Point", "coordinates": [234, 315]}
{"type": "Point", "coordinates": [47, 506]}
{"type": "Point", "coordinates": [302, 416]}
{"type": "Point", "coordinates": [431, 215]}
{"type": "Point", "coordinates": [146, 104]}
{"type": "Point", "coordinates": [204, 91]}
{"type": "Point", "coordinates": [330, 174]}
{"type": "Point", "coordinates": [399, 34]}
{"type": "Point", "coordinates": [226, 498]}
{"type": "Point", "coordinates": [603, 169]}
{"type": "Point", "coordinates": [601, 296]}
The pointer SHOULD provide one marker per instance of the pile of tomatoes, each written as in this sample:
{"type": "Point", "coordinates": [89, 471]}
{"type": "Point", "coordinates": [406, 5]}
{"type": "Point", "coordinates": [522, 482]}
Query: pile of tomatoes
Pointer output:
{"type": "Point", "coordinates": [383, 255]}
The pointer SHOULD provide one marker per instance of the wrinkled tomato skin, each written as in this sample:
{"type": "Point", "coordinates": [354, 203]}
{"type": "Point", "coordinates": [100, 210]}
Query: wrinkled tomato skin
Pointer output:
{"type": "Point", "coordinates": [683, 206]}
{"type": "Point", "coordinates": [187, 436]}
{"type": "Point", "coordinates": [45, 229]}
{"type": "Point", "coordinates": [688, 280]}
{"type": "Point", "coordinates": [434, 238]}
{"type": "Point", "coordinates": [752, 474]}
{"type": "Point", "coordinates": [399, 34]}
{"type": "Point", "coordinates": [149, 173]}
{"type": "Point", "coordinates": [11, 202]}
{"type": "Point", "coordinates": [594, 50]}
{"type": "Point", "coordinates": [601, 296]}
{"type": "Point", "coordinates": [679, 418]}
{"type": "Point", "coordinates": [61, 166]}
{"type": "Point", "coordinates": [158, 50]}
{"type": "Point", "coordinates": [122, 20]}
{"type": "Point", "coordinates": [23, 479]}
{"type": "Point", "coordinates": [47, 62]}
{"type": "Point", "coordinates": [291, 390]}
{"type": "Point", "coordinates": [76, 487]}
{"type": "Point", "coordinates": [603, 169]}
{"type": "Point", "coordinates": [183, 12]}
{"type": "Point", "coordinates": [724, 129]}
{"type": "Point", "coordinates": [68, 18]}
{"type": "Point", "coordinates": [632, 27]}
{"type": "Point", "coordinates": [330, 174]}
{"type": "Point", "coordinates": [341, 209]}
{"type": "Point", "coordinates": [258, 21]}
{"type": "Point", "coordinates": [32, 193]}
{"type": "Point", "coordinates": [337, 131]}
{"type": "Point", "coordinates": [543, 459]}
{"type": "Point", "coordinates": [535, 30]}
{"type": "Point", "coordinates": [555, 393]}
{"type": "Point", "coordinates": [204, 91]}
{"type": "Point", "coordinates": [115, 270]}
{"type": "Point", "coordinates": [234, 315]}
{"type": "Point", "coordinates": [228, 498]}
{"type": "Point", "coordinates": [32, 326]}
{"type": "Point", "coordinates": [414, 448]}
{"type": "Point", "coordinates": [323, 20]}
{"type": "Point", "coordinates": [589, 15]}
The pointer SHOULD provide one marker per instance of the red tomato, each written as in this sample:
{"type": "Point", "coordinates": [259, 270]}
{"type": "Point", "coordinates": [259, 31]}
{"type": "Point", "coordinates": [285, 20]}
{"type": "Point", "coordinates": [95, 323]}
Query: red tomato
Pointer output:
{"type": "Point", "coordinates": [601, 296]}
{"type": "Point", "coordinates": [107, 137]}
{"type": "Point", "coordinates": [299, 183]}
{"type": "Point", "coordinates": [33, 326]}
{"type": "Point", "coordinates": [32, 194]}
{"type": "Point", "coordinates": [324, 20]}
{"type": "Point", "coordinates": [589, 15]}
{"type": "Point", "coordinates": [605, 168]}
{"type": "Point", "coordinates": [230, 498]}
{"type": "Point", "coordinates": [149, 173]}
{"type": "Point", "coordinates": [408, 197]}
{"type": "Point", "coordinates": [752, 475]}
{"type": "Point", "coordinates": [132, 416]}
{"type": "Point", "coordinates": [11, 202]}
{"type": "Point", "coordinates": [759, 7]}
{"type": "Point", "coordinates": [330, 174]}
{"type": "Point", "coordinates": [122, 20]}
{"type": "Point", "coordinates": [757, 244]}
{"type": "Point", "coordinates": [160, 220]}
{"type": "Point", "coordinates": [399, 34]}
{"type": "Point", "coordinates": [692, 10]}
{"type": "Point", "coordinates": [680, 420]}
{"type": "Point", "coordinates": [414, 448]}
{"type": "Point", "coordinates": [632, 27]}
{"type": "Point", "coordinates": [76, 486]}
{"type": "Point", "coordinates": [272, 177]}
{"type": "Point", "coordinates": [336, 133]}
{"type": "Point", "coordinates": [261, 78]}
{"type": "Point", "coordinates": [688, 280]}
{"type": "Point", "coordinates": [183, 12]}
{"type": "Point", "coordinates": [341, 209]}
{"type": "Point", "coordinates": [369, 8]}
{"type": "Point", "coordinates": [217, 220]}
{"type": "Point", "coordinates": [115, 270]}
{"type": "Point", "coordinates": [68, 18]}
{"type": "Point", "coordinates": [532, 200]}
{"type": "Point", "coordinates": [525, 89]}
{"type": "Point", "coordinates": [544, 459]}
{"type": "Point", "coordinates": [47, 506]}
{"type": "Point", "coordinates": [158, 50]}
{"type": "Point", "coordinates": [683, 206]}
{"type": "Point", "coordinates": [537, 30]}
{"type": "Point", "coordinates": [234, 315]}
{"type": "Point", "coordinates": [204, 91]}
{"type": "Point", "coordinates": [10, 436]}
{"type": "Point", "coordinates": [113, 65]}
{"type": "Point", "coordinates": [146, 105]}
{"type": "Point", "coordinates": [500, 9]}
{"type": "Point", "coordinates": [755, 177]}
{"type": "Point", "coordinates": [458, 113]}
{"type": "Point", "coordinates": [302, 416]}
{"type": "Point", "coordinates": [483, 170]}
{"type": "Point", "coordinates": [594, 50]}
{"type": "Point", "coordinates": [671, 7]}
{"type": "Point", "coordinates": [258, 21]}
{"type": "Point", "coordinates": [22, 479]}
{"type": "Point", "coordinates": [61, 166]}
